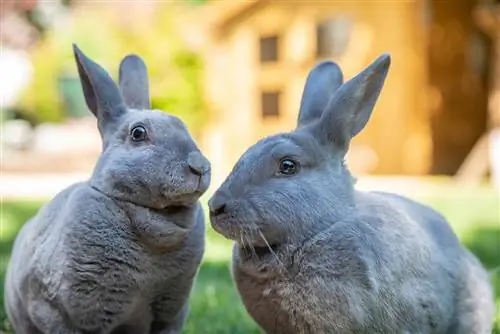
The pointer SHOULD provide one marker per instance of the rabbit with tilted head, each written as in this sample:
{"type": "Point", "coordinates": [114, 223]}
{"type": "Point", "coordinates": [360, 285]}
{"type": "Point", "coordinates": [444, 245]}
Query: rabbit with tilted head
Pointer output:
{"type": "Point", "coordinates": [314, 255]}
{"type": "Point", "coordinates": [120, 252]}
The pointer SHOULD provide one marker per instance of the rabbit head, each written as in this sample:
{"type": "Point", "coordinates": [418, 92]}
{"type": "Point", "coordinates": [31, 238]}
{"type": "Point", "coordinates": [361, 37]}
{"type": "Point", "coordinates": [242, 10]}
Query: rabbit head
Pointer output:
{"type": "Point", "coordinates": [148, 156]}
{"type": "Point", "coordinates": [286, 187]}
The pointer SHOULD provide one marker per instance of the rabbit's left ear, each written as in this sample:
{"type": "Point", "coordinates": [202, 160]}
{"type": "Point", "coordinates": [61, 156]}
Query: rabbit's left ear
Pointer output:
{"type": "Point", "coordinates": [351, 106]}
{"type": "Point", "coordinates": [134, 82]}
{"type": "Point", "coordinates": [101, 93]}
{"type": "Point", "coordinates": [321, 83]}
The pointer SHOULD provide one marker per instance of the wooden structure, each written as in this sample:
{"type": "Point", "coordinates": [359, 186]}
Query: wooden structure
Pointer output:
{"type": "Point", "coordinates": [485, 157]}
{"type": "Point", "coordinates": [259, 53]}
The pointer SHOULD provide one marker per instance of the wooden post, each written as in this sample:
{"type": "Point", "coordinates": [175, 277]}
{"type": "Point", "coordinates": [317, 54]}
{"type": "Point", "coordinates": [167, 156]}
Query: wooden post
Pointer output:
{"type": "Point", "coordinates": [486, 152]}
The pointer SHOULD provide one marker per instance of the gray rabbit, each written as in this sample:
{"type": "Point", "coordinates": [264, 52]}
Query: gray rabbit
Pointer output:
{"type": "Point", "coordinates": [314, 255]}
{"type": "Point", "coordinates": [120, 252]}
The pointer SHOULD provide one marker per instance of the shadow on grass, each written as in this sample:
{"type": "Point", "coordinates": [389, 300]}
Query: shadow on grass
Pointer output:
{"type": "Point", "coordinates": [13, 216]}
{"type": "Point", "coordinates": [495, 279]}
{"type": "Point", "coordinates": [20, 211]}
{"type": "Point", "coordinates": [215, 304]}
{"type": "Point", "coordinates": [485, 243]}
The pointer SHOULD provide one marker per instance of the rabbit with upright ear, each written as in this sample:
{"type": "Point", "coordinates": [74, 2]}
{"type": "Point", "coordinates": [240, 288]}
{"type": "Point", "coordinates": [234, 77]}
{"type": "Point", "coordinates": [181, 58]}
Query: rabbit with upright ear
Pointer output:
{"type": "Point", "coordinates": [314, 255]}
{"type": "Point", "coordinates": [120, 252]}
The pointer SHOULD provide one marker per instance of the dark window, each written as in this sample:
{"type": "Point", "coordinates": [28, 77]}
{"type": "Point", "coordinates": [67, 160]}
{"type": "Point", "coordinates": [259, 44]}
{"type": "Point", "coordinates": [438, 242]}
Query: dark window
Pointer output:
{"type": "Point", "coordinates": [270, 104]}
{"type": "Point", "coordinates": [332, 37]}
{"type": "Point", "coordinates": [269, 49]}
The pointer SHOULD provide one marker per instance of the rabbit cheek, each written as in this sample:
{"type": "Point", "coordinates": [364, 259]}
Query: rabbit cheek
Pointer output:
{"type": "Point", "coordinates": [182, 192]}
{"type": "Point", "coordinates": [224, 228]}
{"type": "Point", "coordinates": [228, 227]}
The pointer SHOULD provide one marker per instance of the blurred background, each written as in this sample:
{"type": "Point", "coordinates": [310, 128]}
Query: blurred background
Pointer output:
{"type": "Point", "coordinates": [234, 71]}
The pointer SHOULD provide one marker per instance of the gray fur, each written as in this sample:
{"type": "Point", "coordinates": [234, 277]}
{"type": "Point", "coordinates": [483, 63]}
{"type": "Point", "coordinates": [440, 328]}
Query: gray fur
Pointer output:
{"type": "Point", "coordinates": [323, 80]}
{"type": "Point", "coordinates": [120, 252]}
{"type": "Point", "coordinates": [134, 83]}
{"type": "Point", "coordinates": [314, 255]}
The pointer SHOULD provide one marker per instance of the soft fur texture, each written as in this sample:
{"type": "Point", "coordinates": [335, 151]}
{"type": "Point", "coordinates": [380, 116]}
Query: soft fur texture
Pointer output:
{"type": "Point", "coordinates": [119, 253]}
{"type": "Point", "coordinates": [314, 255]}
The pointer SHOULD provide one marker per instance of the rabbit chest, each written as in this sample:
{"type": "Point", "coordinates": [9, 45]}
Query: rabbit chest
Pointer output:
{"type": "Point", "coordinates": [282, 306]}
{"type": "Point", "coordinates": [309, 298]}
{"type": "Point", "coordinates": [270, 298]}
{"type": "Point", "coordinates": [118, 268]}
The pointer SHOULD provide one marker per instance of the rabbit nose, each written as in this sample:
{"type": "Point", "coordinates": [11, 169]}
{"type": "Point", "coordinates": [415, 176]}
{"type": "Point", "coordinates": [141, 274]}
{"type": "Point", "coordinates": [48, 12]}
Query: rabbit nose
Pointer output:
{"type": "Point", "coordinates": [217, 206]}
{"type": "Point", "coordinates": [198, 164]}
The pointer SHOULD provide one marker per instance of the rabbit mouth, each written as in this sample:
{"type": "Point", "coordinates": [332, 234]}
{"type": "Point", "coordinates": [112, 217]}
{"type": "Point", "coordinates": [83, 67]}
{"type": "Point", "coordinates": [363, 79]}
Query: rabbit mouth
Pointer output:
{"type": "Point", "coordinates": [249, 252]}
{"type": "Point", "coordinates": [186, 197]}
{"type": "Point", "coordinates": [262, 262]}
{"type": "Point", "coordinates": [251, 241]}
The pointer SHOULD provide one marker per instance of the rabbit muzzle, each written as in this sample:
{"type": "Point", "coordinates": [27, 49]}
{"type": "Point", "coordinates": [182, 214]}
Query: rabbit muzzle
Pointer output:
{"type": "Point", "coordinates": [192, 180]}
{"type": "Point", "coordinates": [233, 219]}
{"type": "Point", "coordinates": [188, 194]}
{"type": "Point", "coordinates": [222, 218]}
{"type": "Point", "coordinates": [198, 164]}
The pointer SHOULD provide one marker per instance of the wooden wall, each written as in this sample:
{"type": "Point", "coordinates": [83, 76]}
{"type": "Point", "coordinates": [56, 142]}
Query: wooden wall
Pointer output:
{"type": "Point", "coordinates": [399, 131]}
{"type": "Point", "coordinates": [458, 60]}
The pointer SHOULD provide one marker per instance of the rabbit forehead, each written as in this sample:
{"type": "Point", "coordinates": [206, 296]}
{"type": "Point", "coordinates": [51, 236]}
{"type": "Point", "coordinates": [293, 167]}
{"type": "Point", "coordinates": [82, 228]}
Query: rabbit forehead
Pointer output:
{"type": "Point", "coordinates": [260, 157]}
{"type": "Point", "coordinates": [272, 147]}
{"type": "Point", "coordinates": [157, 119]}
{"type": "Point", "coordinates": [292, 144]}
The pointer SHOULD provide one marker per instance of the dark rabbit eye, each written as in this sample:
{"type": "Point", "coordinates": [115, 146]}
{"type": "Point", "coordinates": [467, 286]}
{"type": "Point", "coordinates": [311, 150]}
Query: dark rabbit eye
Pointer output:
{"type": "Point", "coordinates": [138, 133]}
{"type": "Point", "coordinates": [288, 166]}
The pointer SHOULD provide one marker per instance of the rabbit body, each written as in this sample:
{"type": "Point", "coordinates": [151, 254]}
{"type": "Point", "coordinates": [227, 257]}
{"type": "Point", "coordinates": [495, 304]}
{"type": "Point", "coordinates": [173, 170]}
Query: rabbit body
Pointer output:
{"type": "Point", "coordinates": [393, 266]}
{"type": "Point", "coordinates": [314, 255]}
{"type": "Point", "coordinates": [77, 271]}
{"type": "Point", "coordinates": [120, 252]}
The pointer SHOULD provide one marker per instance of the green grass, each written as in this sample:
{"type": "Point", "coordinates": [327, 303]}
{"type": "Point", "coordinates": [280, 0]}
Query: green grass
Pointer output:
{"type": "Point", "coordinates": [215, 305]}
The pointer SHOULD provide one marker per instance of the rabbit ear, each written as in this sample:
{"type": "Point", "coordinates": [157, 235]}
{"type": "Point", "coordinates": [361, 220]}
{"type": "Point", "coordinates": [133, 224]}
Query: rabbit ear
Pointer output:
{"type": "Point", "coordinates": [321, 83]}
{"type": "Point", "coordinates": [101, 93]}
{"type": "Point", "coordinates": [352, 104]}
{"type": "Point", "coordinates": [134, 82]}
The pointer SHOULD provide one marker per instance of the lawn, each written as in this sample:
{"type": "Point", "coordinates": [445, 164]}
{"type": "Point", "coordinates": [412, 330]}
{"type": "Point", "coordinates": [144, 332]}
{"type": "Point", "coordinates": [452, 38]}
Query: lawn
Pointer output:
{"type": "Point", "coordinates": [215, 305]}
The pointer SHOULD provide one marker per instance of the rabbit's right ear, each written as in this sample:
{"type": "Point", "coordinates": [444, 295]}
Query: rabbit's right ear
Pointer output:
{"type": "Point", "coordinates": [351, 106]}
{"type": "Point", "coordinates": [134, 82]}
{"type": "Point", "coordinates": [101, 93]}
{"type": "Point", "coordinates": [321, 83]}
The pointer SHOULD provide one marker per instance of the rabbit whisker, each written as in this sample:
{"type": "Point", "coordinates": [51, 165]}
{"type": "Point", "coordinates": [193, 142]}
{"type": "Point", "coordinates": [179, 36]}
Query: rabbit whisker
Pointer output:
{"type": "Point", "coordinates": [251, 246]}
{"type": "Point", "coordinates": [247, 244]}
{"type": "Point", "coordinates": [242, 240]}
{"type": "Point", "coordinates": [270, 248]}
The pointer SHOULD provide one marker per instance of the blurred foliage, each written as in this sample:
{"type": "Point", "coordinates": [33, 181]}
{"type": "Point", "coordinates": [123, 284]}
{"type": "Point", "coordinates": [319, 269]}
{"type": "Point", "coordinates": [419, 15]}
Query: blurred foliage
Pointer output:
{"type": "Point", "coordinates": [107, 34]}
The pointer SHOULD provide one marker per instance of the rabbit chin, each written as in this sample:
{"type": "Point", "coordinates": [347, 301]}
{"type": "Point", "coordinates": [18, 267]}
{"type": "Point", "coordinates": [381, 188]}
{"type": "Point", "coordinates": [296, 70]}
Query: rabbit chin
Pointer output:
{"type": "Point", "coordinates": [257, 253]}
{"type": "Point", "coordinates": [247, 235]}
{"type": "Point", "coordinates": [187, 195]}
{"type": "Point", "coordinates": [185, 198]}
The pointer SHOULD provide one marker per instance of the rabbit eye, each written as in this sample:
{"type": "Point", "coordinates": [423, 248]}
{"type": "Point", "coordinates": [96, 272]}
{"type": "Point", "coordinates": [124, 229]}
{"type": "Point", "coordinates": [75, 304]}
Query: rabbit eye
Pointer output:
{"type": "Point", "coordinates": [288, 166]}
{"type": "Point", "coordinates": [138, 133]}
